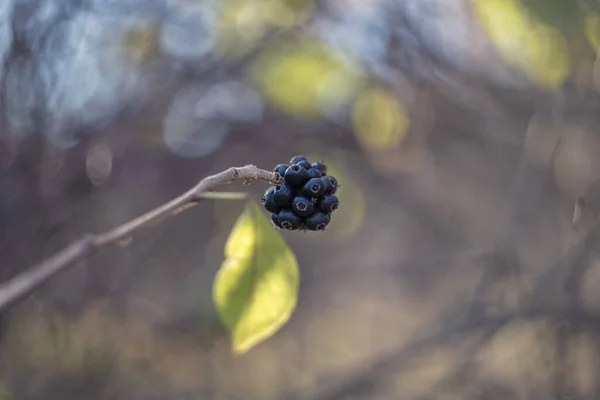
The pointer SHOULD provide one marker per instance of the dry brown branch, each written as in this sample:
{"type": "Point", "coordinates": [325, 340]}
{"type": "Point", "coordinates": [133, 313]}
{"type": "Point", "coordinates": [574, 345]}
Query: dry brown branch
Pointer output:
{"type": "Point", "coordinates": [26, 282]}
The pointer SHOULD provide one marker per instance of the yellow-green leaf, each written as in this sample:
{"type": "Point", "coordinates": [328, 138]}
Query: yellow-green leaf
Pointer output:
{"type": "Point", "coordinates": [256, 289]}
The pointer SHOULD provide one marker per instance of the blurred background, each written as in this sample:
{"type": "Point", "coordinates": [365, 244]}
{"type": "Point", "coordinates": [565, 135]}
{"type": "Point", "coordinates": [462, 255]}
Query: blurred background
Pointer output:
{"type": "Point", "coordinates": [462, 132]}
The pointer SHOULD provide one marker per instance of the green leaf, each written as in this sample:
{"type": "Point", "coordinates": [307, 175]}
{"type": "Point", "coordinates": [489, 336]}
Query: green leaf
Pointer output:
{"type": "Point", "coordinates": [256, 289]}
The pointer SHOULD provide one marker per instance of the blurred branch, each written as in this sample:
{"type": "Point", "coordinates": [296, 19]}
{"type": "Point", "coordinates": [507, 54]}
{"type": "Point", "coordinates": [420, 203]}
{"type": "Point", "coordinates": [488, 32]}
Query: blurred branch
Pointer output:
{"type": "Point", "coordinates": [476, 331]}
{"type": "Point", "coordinates": [25, 283]}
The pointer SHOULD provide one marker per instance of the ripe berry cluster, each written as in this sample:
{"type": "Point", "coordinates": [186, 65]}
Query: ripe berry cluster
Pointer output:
{"type": "Point", "coordinates": [304, 198]}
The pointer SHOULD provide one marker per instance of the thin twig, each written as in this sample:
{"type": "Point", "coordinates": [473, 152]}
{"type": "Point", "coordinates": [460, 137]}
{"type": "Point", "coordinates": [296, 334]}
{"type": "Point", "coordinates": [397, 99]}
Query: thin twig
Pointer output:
{"type": "Point", "coordinates": [26, 282]}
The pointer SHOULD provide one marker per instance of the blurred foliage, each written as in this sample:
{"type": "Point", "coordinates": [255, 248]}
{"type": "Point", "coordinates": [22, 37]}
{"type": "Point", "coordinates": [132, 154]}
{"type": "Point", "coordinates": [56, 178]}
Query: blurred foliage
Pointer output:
{"type": "Point", "coordinates": [592, 30]}
{"type": "Point", "coordinates": [525, 41]}
{"type": "Point", "coordinates": [562, 14]}
{"type": "Point", "coordinates": [96, 346]}
{"type": "Point", "coordinates": [256, 288]}
{"type": "Point", "coordinates": [307, 79]}
{"type": "Point", "coordinates": [47, 345]}
{"type": "Point", "coordinates": [242, 23]}
{"type": "Point", "coordinates": [541, 37]}
{"type": "Point", "coordinates": [380, 120]}
{"type": "Point", "coordinates": [141, 43]}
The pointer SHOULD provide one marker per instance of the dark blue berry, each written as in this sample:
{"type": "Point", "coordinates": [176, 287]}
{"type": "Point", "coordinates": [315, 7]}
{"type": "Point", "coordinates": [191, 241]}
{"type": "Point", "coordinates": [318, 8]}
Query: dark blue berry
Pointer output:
{"type": "Point", "coordinates": [268, 201]}
{"type": "Point", "coordinates": [288, 220]}
{"type": "Point", "coordinates": [302, 206]}
{"type": "Point", "coordinates": [314, 187]}
{"type": "Point", "coordinates": [329, 203]}
{"type": "Point", "coordinates": [314, 173]}
{"type": "Point", "coordinates": [297, 159]}
{"type": "Point", "coordinates": [275, 220]}
{"type": "Point", "coordinates": [283, 194]}
{"type": "Point", "coordinates": [280, 169]}
{"type": "Point", "coordinates": [317, 222]}
{"type": "Point", "coordinates": [296, 176]}
{"type": "Point", "coordinates": [304, 164]}
{"type": "Point", "coordinates": [319, 166]}
{"type": "Point", "coordinates": [331, 184]}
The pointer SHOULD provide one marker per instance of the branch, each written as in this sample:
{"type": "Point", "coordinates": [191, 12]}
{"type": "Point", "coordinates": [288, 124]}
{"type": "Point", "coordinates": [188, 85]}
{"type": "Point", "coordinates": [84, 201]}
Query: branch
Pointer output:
{"type": "Point", "coordinates": [26, 282]}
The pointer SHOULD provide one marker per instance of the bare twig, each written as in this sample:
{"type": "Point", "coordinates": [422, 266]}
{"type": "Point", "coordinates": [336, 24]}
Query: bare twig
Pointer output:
{"type": "Point", "coordinates": [25, 283]}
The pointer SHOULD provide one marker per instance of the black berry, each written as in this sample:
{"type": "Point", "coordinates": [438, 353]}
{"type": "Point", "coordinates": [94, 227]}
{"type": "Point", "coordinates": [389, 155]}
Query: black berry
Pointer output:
{"type": "Point", "coordinates": [296, 176]}
{"type": "Point", "coordinates": [331, 184]}
{"type": "Point", "coordinates": [280, 169]}
{"type": "Point", "coordinates": [304, 199]}
{"type": "Point", "coordinates": [329, 203]}
{"type": "Point", "coordinates": [319, 166]}
{"type": "Point", "coordinates": [297, 159]}
{"type": "Point", "coordinates": [317, 222]}
{"type": "Point", "coordinates": [275, 220]}
{"type": "Point", "coordinates": [283, 194]}
{"type": "Point", "coordinates": [269, 202]}
{"type": "Point", "coordinates": [314, 187]}
{"type": "Point", "coordinates": [314, 173]}
{"type": "Point", "coordinates": [304, 164]}
{"type": "Point", "coordinates": [302, 206]}
{"type": "Point", "coordinates": [288, 220]}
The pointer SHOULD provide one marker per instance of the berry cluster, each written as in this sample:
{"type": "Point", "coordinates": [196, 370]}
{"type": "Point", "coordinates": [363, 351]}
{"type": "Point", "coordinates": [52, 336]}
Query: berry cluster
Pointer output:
{"type": "Point", "coordinates": [304, 198]}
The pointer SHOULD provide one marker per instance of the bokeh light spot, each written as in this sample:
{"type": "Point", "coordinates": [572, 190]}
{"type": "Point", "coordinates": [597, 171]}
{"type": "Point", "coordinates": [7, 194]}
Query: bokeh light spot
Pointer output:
{"type": "Point", "coordinates": [548, 63]}
{"type": "Point", "coordinates": [141, 43]}
{"type": "Point", "coordinates": [242, 23]}
{"type": "Point", "coordinates": [591, 26]}
{"type": "Point", "coordinates": [98, 164]}
{"type": "Point", "coordinates": [188, 135]}
{"type": "Point", "coordinates": [380, 120]}
{"type": "Point", "coordinates": [524, 42]}
{"type": "Point", "coordinates": [292, 78]}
